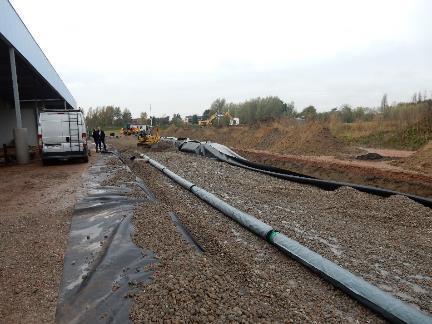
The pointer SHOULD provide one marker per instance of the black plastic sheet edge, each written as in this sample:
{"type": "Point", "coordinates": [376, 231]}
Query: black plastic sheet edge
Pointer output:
{"type": "Point", "coordinates": [102, 265]}
{"type": "Point", "coordinates": [184, 231]}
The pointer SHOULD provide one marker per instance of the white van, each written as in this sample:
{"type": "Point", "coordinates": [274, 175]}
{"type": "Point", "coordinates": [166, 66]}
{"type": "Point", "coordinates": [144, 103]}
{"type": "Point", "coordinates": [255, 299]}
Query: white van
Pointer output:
{"type": "Point", "coordinates": [62, 135]}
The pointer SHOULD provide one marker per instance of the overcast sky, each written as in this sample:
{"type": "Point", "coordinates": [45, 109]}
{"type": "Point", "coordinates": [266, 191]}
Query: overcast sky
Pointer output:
{"type": "Point", "coordinates": [179, 56]}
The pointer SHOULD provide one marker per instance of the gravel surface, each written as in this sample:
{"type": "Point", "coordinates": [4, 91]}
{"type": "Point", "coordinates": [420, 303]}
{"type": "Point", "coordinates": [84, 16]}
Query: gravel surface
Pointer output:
{"type": "Point", "coordinates": [387, 241]}
{"type": "Point", "coordinates": [35, 213]}
{"type": "Point", "coordinates": [239, 277]}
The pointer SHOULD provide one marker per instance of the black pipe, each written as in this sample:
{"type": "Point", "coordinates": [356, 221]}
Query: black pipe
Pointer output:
{"type": "Point", "coordinates": [333, 185]}
{"type": "Point", "coordinates": [203, 148]}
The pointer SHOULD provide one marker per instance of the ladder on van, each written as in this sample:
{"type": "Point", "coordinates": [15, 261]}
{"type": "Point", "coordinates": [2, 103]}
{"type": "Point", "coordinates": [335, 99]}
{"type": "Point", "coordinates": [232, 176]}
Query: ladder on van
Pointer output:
{"type": "Point", "coordinates": [74, 121]}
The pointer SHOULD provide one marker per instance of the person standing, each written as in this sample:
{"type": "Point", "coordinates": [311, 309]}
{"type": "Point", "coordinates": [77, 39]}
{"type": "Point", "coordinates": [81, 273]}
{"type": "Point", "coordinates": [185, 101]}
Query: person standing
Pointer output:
{"type": "Point", "coordinates": [102, 140]}
{"type": "Point", "coordinates": [96, 139]}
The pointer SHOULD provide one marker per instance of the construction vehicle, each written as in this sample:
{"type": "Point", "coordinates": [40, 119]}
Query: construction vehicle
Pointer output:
{"type": "Point", "coordinates": [127, 130]}
{"type": "Point", "coordinates": [131, 129]}
{"type": "Point", "coordinates": [208, 122]}
{"type": "Point", "coordinates": [233, 121]}
{"type": "Point", "coordinates": [149, 138]}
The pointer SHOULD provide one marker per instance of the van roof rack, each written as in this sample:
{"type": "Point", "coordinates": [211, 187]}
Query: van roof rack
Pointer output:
{"type": "Point", "coordinates": [60, 110]}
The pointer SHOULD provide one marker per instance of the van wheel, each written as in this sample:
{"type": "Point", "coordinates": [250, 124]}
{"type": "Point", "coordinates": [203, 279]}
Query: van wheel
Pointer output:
{"type": "Point", "coordinates": [86, 159]}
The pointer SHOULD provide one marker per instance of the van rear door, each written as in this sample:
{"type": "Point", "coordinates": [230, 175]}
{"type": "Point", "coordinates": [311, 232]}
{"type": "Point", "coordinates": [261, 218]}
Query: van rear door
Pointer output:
{"type": "Point", "coordinates": [61, 131]}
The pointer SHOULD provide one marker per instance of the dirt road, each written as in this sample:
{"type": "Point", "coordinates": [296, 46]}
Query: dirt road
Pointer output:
{"type": "Point", "coordinates": [35, 212]}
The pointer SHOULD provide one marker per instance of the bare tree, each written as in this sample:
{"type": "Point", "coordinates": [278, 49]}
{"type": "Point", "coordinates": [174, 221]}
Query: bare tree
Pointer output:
{"type": "Point", "coordinates": [143, 117]}
{"type": "Point", "coordinates": [218, 105]}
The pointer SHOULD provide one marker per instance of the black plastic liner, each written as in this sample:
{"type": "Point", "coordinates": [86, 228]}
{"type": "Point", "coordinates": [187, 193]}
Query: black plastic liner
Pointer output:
{"type": "Point", "coordinates": [372, 297]}
{"type": "Point", "coordinates": [183, 230]}
{"type": "Point", "coordinates": [140, 183]}
{"type": "Point", "coordinates": [224, 154]}
{"type": "Point", "coordinates": [102, 265]}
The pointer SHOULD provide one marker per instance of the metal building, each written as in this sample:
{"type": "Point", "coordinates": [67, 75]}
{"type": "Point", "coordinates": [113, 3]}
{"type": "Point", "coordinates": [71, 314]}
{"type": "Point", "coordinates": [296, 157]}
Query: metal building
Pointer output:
{"type": "Point", "coordinates": [28, 82]}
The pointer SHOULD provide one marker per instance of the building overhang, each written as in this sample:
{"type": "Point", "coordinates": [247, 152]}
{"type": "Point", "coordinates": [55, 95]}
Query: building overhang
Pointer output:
{"type": "Point", "coordinates": [37, 78]}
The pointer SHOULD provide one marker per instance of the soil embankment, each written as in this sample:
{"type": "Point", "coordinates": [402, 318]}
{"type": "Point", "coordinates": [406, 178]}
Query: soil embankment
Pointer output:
{"type": "Point", "coordinates": [285, 137]}
{"type": "Point", "coordinates": [419, 161]}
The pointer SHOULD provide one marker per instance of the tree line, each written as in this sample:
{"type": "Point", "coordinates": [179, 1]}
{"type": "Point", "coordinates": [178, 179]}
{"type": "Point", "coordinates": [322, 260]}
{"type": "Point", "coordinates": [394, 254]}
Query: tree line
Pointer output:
{"type": "Point", "coordinates": [253, 110]}
{"type": "Point", "coordinates": [268, 108]}
{"type": "Point", "coordinates": [272, 108]}
{"type": "Point", "coordinates": [112, 117]}
{"type": "Point", "coordinates": [108, 117]}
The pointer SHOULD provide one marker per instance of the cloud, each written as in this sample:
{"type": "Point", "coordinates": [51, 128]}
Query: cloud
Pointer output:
{"type": "Point", "coordinates": [181, 55]}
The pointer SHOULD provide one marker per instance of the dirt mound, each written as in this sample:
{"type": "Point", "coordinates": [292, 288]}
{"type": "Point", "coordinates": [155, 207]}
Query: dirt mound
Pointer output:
{"type": "Point", "coordinates": [285, 136]}
{"type": "Point", "coordinates": [369, 157]}
{"type": "Point", "coordinates": [420, 161]}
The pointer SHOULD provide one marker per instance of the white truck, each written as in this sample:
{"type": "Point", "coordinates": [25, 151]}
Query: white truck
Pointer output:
{"type": "Point", "coordinates": [62, 135]}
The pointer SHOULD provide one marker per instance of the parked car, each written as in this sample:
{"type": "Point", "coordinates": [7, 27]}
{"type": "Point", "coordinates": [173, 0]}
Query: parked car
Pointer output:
{"type": "Point", "coordinates": [62, 135]}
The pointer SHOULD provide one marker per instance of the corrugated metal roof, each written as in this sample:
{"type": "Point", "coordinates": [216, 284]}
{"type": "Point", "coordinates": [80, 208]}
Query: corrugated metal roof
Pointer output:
{"type": "Point", "coordinates": [16, 33]}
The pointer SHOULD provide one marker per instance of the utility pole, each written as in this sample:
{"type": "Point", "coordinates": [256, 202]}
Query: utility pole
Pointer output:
{"type": "Point", "coordinates": [151, 118]}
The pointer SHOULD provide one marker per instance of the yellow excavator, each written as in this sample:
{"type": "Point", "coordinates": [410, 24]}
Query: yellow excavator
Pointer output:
{"type": "Point", "coordinates": [209, 121]}
{"type": "Point", "coordinates": [149, 138]}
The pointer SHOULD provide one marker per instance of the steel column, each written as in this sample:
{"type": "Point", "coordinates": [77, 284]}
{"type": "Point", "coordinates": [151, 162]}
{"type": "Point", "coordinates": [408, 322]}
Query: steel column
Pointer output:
{"type": "Point", "coordinates": [15, 87]}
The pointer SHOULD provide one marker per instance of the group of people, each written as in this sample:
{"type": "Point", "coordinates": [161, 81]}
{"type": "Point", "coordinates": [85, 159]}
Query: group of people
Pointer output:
{"type": "Point", "coordinates": [99, 139]}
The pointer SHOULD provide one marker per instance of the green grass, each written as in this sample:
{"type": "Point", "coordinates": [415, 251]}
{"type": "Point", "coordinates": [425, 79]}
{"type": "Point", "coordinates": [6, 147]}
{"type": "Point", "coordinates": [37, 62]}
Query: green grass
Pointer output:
{"type": "Point", "coordinates": [410, 138]}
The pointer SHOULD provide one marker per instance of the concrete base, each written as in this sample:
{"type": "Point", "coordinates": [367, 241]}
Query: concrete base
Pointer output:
{"type": "Point", "coordinates": [21, 146]}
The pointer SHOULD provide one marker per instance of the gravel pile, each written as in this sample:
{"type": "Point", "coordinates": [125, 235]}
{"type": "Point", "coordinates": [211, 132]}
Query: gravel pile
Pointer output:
{"type": "Point", "coordinates": [238, 278]}
{"type": "Point", "coordinates": [387, 241]}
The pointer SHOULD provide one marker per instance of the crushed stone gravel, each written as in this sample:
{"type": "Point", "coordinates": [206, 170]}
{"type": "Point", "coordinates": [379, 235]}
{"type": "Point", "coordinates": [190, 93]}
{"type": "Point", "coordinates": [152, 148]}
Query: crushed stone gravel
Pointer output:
{"type": "Point", "coordinates": [387, 241]}
{"type": "Point", "coordinates": [239, 278]}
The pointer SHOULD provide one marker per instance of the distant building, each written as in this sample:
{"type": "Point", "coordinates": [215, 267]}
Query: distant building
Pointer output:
{"type": "Point", "coordinates": [234, 121]}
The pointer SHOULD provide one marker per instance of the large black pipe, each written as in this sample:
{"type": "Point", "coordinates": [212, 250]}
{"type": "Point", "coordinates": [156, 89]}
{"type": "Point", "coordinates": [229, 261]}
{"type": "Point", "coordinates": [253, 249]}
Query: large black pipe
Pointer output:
{"type": "Point", "coordinates": [333, 185]}
{"type": "Point", "coordinates": [214, 151]}
{"type": "Point", "coordinates": [372, 297]}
